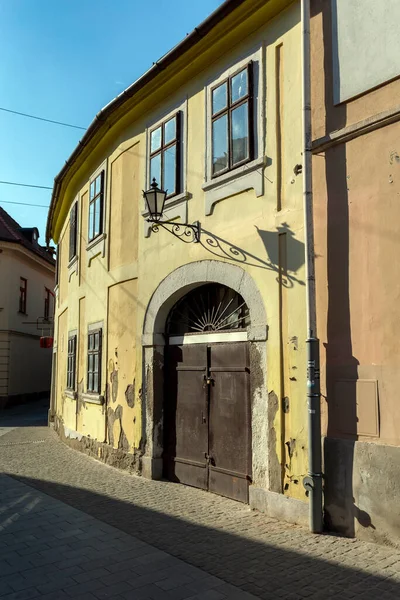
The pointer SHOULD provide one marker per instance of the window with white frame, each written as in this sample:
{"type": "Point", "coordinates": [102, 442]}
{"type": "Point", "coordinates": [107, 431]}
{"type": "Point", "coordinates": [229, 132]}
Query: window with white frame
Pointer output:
{"type": "Point", "coordinates": [232, 121]}
{"type": "Point", "coordinates": [165, 165]}
{"type": "Point", "coordinates": [235, 129]}
{"type": "Point", "coordinates": [96, 205]}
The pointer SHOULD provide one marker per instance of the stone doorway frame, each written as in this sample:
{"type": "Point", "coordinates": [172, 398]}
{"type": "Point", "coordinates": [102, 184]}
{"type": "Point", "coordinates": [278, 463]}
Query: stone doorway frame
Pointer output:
{"type": "Point", "coordinates": [170, 290]}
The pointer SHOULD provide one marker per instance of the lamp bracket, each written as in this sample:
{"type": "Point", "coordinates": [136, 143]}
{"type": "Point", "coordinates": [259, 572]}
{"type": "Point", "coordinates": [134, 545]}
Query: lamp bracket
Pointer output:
{"type": "Point", "coordinates": [186, 232]}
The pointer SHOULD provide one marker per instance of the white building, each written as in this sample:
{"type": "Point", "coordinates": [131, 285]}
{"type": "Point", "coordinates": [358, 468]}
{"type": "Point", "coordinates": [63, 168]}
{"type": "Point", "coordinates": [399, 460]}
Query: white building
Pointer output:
{"type": "Point", "coordinates": [26, 312]}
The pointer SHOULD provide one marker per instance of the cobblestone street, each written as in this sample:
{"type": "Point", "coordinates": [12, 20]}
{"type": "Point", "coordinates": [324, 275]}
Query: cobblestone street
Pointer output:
{"type": "Point", "coordinates": [73, 527]}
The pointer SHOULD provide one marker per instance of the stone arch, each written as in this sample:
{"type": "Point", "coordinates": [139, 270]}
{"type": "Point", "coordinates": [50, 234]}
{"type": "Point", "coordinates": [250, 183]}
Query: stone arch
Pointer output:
{"type": "Point", "coordinates": [185, 278]}
{"type": "Point", "coordinates": [170, 290]}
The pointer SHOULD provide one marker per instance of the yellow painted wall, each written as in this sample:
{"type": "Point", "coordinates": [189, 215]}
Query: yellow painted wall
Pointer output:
{"type": "Point", "coordinates": [123, 236]}
{"type": "Point", "coordinates": [123, 411]}
{"type": "Point", "coordinates": [120, 276]}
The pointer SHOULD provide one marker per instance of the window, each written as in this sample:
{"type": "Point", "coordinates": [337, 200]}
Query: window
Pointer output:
{"type": "Point", "coordinates": [71, 362]}
{"type": "Point", "coordinates": [231, 122]}
{"type": "Point", "coordinates": [165, 142]}
{"type": "Point", "coordinates": [73, 231]}
{"type": "Point", "coordinates": [96, 202]}
{"type": "Point", "coordinates": [47, 297]}
{"type": "Point", "coordinates": [22, 295]}
{"type": "Point", "coordinates": [94, 361]}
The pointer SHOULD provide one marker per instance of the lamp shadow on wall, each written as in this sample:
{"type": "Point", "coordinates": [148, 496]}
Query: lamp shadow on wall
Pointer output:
{"type": "Point", "coordinates": [341, 365]}
{"type": "Point", "coordinates": [225, 249]}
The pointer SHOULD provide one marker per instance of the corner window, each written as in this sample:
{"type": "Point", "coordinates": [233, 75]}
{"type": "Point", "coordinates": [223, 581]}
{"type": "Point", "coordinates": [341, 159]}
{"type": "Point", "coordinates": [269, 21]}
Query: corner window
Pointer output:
{"type": "Point", "coordinates": [164, 155]}
{"type": "Point", "coordinates": [231, 122]}
{"type": "Point", "coordinates": [71, 363]}
{"type": "Point", "coordinates": [73, 231]}
{"type": "Point", "coordinates": [94, 361]}
{"type": "Point", "coordinates": [96, 205]}
{"type": "Point", "coordinates": [23, 285]}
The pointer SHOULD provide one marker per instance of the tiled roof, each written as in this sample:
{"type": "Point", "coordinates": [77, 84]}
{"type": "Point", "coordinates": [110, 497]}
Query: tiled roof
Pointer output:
{"type": "Point", "coordinates": [11, 231]}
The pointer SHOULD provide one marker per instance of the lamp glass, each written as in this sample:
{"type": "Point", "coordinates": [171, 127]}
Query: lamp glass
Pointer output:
{"type": "Point", "coordinates": [155, 199]}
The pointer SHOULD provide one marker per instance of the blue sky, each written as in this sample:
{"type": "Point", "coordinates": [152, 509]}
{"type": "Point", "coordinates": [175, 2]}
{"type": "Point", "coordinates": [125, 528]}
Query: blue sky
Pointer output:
{"type": "Point", "coordinates": [64, 60]}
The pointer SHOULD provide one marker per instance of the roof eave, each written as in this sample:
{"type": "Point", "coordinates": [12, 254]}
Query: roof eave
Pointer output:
{"type": "Point", "coordinates": [188, 42]}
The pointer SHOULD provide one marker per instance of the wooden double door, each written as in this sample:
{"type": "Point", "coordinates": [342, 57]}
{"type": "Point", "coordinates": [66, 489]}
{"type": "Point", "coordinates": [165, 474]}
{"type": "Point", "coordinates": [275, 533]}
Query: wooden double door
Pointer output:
{"type": "Point", "coordinates": [207, 420]}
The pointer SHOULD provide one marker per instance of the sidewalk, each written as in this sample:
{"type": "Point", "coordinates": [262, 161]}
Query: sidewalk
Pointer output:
{"type": "Point", "coordinates": [50, 550]}
{"type": "Point", "coordinates": [225, 539]}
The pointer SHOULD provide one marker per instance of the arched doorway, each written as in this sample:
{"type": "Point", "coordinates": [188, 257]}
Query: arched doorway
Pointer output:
{"type": "Point", "coordinates": [207, 416]}
{"type": "Point", "coordinates": [156, 325]}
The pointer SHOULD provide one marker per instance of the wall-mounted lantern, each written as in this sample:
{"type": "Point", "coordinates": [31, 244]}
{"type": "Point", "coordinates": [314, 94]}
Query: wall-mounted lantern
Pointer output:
{"type": "Point", "coordinates": [155, 200]}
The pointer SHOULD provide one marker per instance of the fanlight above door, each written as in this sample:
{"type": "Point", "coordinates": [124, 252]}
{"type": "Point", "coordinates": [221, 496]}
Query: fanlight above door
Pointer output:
{"type": "Point", "coordinates": [208, 308]}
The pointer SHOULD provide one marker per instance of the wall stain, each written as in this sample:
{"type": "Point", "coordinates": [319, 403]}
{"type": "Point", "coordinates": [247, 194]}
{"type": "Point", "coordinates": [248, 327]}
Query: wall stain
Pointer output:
{"type": "Point", "coordinates": [113, 380]}
{"type": "Point", "coordinates": [112, 416]}
{"type": "Point", "coordinates": [275, 470]}
{"type": "Point", "coordinates": [130, 395]}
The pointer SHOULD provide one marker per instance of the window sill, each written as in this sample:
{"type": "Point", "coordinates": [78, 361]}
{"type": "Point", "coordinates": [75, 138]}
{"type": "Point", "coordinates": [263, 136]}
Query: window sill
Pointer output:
{"type": "Point", "coordinates": [92, 398]}
{"type": "Point", "coordinates": [96, 246]}
{"type": "Point", "coordinates": [96, 241]}
{"type": "Point", "coordinates": [73, 261]}
{"type": "Point", "coordinates": [71, 394]}
{"type": "Point", "coordinates": [73, 266]}
{"type": "Point", "coordinates": [248, 176]}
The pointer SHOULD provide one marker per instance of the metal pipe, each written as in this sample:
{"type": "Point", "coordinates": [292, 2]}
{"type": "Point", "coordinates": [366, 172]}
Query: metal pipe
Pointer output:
{"type": "Point", "coordinates": [313, 482]}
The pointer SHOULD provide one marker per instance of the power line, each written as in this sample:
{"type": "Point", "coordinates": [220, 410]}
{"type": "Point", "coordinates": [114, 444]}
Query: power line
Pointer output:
{"type": "Point", "coordinates": [42, 187]}
{"type": "Point", "coordinates": [23, 203]}
{"type": "Point", "coordinates": [15, 112]}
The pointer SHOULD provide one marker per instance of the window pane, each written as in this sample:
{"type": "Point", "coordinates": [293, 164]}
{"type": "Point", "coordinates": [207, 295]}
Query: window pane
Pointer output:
{"type": "Point", "coordinates": [169, 175]}
{"type": "Point", "coordinates": [170, 131]}
{"type": "Point", "coordinates": [219, 98]}
{"type": "Point", "coordinates": [98, 184]}
{"type": "Point", "coordinates": [90, 367]}
{"type": "Point", "coordinates": [90, 382]}
{"type": "Point", "coordinates": [155, 139]}
{"type": "Point", "coordinates": [96, 363]}
{"type": "Point", "coordinates": [90, 342]}
{"type": "Point", "coordinates": [96, 227]}
{"type": "Point", "coordinates": [239, 86]}
{"type": "Point", "coordinates": [220, 144]}
{"type": "Point", "coordinates": [95, 382]}
{"type": "Point", "coordinates": [92, 192]}
{"type": "Point", "coordinates": [240, 133]}
{"type": "Point", "coordinates": [155, 169]}
{"type": "Point", "coordinates": [91, 210]}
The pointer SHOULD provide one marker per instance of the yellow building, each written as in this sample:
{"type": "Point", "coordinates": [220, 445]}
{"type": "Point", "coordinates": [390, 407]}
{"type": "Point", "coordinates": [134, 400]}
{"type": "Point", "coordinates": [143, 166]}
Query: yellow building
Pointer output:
{"type": "Point", "coordinates": [180, 351]}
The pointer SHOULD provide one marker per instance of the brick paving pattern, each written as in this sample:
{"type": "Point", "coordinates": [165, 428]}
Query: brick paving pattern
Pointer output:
{"type": "Point", "coordinates": [248, 551]}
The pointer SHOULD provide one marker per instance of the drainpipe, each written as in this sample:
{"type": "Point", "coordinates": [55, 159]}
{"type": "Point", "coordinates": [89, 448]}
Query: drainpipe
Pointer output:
{"type": "Point", "coordinates": [313, 482]}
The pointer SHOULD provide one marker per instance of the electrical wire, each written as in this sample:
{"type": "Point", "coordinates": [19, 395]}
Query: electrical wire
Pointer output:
{"type": "Point", "coordinates": [15, 112]}
{"type": "Point", "coordinates": [42, 187]}
{"type": "Point", "coordinates": [23, 203]}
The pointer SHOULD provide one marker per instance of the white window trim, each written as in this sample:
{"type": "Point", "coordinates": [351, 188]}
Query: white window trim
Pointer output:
{"type": "Point", "coordinates": [176, 206]}
{"type": "Point", "coordinates": [98, 244]}
{"type": "Point", "coordinates": [250, 175]}
{"type": "Point", "coordinates": [73, 265]}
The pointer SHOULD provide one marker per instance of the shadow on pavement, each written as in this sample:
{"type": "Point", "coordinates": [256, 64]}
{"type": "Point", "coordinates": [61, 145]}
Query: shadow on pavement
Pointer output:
{"type": "Point", "coordinates": [30, 414]}
{"type": "Point", "coordinates": [265, 570]}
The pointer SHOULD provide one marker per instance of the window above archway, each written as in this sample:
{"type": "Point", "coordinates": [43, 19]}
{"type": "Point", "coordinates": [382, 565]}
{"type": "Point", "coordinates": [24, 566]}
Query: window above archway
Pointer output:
{"type": "Point", "coordinates": [208, 308]}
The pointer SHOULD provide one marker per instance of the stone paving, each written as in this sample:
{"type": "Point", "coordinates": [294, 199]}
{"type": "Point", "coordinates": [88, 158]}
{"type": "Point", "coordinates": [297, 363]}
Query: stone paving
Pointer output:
{"type": "Point", "coordinates": [226, 541]}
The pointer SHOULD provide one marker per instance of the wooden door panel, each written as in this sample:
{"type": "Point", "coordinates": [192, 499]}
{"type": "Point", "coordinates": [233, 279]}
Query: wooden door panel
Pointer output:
{"type": "Point", "coordinates": [185, 416]}
{"type": "Point", "coordinates": [230, 426]}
